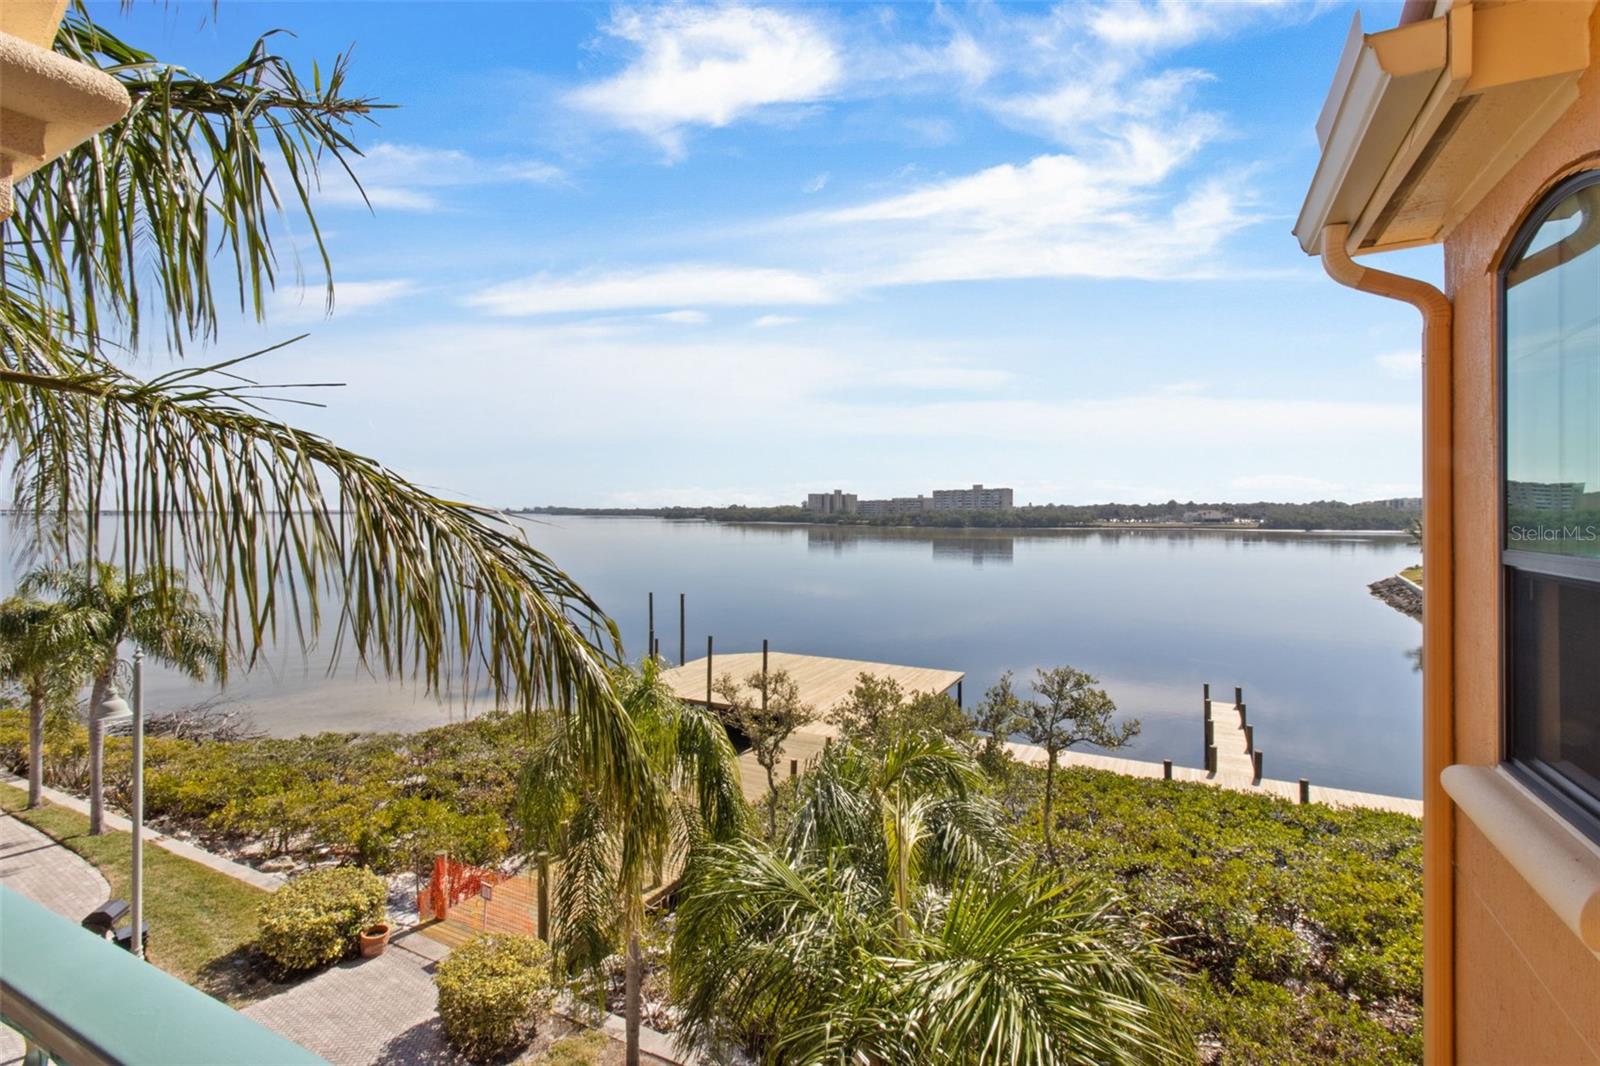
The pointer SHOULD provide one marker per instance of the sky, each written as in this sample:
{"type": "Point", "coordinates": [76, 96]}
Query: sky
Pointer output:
{"type": "Point", "coordinates": [680, 254]}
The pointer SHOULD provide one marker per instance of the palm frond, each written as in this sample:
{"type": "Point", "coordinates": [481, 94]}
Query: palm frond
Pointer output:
{"type": "Point", "coordinates": [273, 521]}
{"type": "Point", "coordinates": [198, 165]}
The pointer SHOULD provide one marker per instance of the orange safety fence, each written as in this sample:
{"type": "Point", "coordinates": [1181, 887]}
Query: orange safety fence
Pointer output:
{"type": "Point", "coordinates": [477, 898]}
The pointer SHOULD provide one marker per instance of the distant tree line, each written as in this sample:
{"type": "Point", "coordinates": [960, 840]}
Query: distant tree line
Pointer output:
{"type": "Point", "coordinates": [1321, 514]}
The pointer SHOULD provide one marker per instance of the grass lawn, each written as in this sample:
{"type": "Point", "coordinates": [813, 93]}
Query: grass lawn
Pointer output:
{"type": "Point", "coordinates": [1412, 573]}
{"type": "Point", "coordinates": [202, 922]}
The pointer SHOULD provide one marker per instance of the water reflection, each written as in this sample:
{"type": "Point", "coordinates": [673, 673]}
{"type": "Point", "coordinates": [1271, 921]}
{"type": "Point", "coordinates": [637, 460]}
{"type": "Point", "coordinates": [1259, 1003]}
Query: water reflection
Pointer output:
{"type": "Point", "coordinates": [1153, 613]}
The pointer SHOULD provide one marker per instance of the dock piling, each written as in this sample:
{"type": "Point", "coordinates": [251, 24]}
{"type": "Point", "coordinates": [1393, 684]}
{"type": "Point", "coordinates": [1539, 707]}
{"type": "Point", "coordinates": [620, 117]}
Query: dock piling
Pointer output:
{"type": "Point", "coordinates": [1305, 790]}
{"type": "Point", "coordinates": [1256, 758]}
{"type": "Point", "coordinates": [650, 613]}
{"type": "Point", "coordinates": [1166, 769]}
{"type": "Point", "coordinates": [708, 671]}
{"type": "Point", "coordinates": [1249, 739]}
{"type": "Point", "coordinates": [764, 686]}
{"type": "Point", "coordinates": [683, 647]}
{"type": "Point", "coordinates": [1238, 694]}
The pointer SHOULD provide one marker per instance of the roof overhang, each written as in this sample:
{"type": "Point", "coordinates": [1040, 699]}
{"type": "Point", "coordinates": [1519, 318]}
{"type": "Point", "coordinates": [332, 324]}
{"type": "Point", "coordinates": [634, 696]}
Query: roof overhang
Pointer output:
{"type": "Point", "coordinates": [1423, 119]}
{"type": "Point", "coordinates": [48, 103]}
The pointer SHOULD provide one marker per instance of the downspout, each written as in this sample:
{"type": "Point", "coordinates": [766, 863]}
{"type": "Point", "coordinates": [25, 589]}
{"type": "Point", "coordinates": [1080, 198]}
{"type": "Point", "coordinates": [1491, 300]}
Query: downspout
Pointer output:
{"type": "Point", "coordinates": [1438, 632]}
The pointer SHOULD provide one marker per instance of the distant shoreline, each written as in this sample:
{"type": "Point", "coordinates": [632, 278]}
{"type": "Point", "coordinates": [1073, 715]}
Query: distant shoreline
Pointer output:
{"type": "Point", "coordinates": [867, 527]}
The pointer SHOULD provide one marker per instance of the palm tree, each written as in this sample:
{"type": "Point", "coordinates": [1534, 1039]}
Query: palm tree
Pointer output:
{"type": "Point", "coordinates": [47, 649]}
{"type": "Point", "coordinates": [114, 241]}
{"type": "Point", "coordinates": [892, 926]}
{"type": "Point", "coordinates": [162, 616]}
{"type": "Point", "coordinates": [612, 848]}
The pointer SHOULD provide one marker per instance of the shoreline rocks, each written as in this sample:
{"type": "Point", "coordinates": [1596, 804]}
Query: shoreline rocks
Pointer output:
{"type": "Point", "coordinates": [1401, 595]}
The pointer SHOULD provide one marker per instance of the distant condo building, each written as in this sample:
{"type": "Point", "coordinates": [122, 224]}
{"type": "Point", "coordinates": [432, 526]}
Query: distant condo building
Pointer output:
{"type": "Point", "coordinates": [835, 502]}
{"type": "Point", "coordinates": [898, 505]}
{"type": "Point", "coordinates": [1544, 495]}
{"type": "Point", "coordinates": [977, 498]}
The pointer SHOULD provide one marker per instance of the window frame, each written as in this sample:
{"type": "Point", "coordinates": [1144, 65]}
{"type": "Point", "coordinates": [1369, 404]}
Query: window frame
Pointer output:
{"type": "Point", "coordinates": [1561, 793]}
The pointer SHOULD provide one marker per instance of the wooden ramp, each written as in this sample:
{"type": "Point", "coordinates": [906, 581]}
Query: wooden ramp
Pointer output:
{"type": "Point", "coordinates": [1233, 740]}
{"type": "Point", "coordinates": [824, 683]}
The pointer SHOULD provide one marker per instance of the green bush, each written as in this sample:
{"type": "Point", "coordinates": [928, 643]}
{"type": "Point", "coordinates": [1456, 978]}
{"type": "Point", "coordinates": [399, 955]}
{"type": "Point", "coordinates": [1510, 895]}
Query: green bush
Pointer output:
{"type": "Point", "coordinates": [1297, 923]}
{"type": "Point", "coordinates": [316, 918]}
{"type": "Point", "coordinates": [492, 991]}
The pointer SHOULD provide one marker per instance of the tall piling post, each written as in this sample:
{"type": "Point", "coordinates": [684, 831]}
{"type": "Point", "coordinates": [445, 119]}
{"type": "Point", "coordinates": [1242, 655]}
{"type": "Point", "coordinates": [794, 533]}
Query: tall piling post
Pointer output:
{"type": "Point", "coordinates": [1166, 769]}
{"type": "Point", "coordinates": [1249, 739]}
{"type": "Point", "coordinates": [650, 614]}
{"type": "Point", "coordinates": [1256, 759]}
{"type": "Point", "coordinates": [708, 671]}
{"type": "Point", "coordinates": [683, 647]}
{"type": "Point", "coordinates": [1305, 790]}
{"type": "Point", "coordinates": [1238, 694]}
{"type": "Point", "coordinates": [764, 678]}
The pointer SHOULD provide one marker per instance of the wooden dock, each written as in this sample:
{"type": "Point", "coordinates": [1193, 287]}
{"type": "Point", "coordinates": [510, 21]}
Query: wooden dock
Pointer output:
{"type": "Point", "coordinates": [824, 683]}
{"type": "Point", "coordinates": [1286, 790]}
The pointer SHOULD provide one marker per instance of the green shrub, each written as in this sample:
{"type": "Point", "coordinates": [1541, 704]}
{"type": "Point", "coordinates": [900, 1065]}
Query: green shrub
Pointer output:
{"type": "Point", "coordinates": [1299, 923]}
{"type": "Point", "coordinates": [492, 992]}
{"type": "Point", "coordinates": [315, 918]}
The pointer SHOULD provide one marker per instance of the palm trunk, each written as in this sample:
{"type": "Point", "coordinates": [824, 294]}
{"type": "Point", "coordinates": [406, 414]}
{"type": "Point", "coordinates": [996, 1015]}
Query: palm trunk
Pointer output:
{"type": "Point", "coordinates": [633, 977]}
{"type": "Point", "coordinates": [772, 803]}
{"type": "Point", "coordinates": [35, 747]}
{"type": "Point", "coordinates": [544, 896]}
{"type": "Point", "coordinates": [97, 752]}
{"type": "Point", "coordinates": [1049, 803]}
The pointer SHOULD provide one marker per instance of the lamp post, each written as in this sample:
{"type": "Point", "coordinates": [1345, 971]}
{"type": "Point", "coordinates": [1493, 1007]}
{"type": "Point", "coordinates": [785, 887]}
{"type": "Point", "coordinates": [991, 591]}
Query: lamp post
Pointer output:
{"type": "Point", "coordinates": [138, 803]}
{"type": "Point", "coordinates": [113, 709]}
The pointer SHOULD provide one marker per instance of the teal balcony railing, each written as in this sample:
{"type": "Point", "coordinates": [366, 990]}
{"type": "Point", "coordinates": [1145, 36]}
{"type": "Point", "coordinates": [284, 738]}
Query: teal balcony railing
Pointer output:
{"type": "Point", "coordinates": [78, 999]}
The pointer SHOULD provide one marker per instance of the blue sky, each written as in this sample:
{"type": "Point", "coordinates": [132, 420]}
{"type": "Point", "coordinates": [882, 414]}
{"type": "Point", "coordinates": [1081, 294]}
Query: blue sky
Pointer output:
{"type": "Point", "coordinates": [730, 254]}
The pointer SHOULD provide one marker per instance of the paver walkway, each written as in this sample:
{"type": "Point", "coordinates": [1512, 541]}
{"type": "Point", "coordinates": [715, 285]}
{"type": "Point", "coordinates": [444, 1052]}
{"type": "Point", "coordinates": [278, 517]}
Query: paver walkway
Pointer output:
{"type": "Point", "coordinates": [364, 1011]}
{"type": "Point", "coordinates": [47, 873]}
{"type": "Point", "coordinates": [44, 871]}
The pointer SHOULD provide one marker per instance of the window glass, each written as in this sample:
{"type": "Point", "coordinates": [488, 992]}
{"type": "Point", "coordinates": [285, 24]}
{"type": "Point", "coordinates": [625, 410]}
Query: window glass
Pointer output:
{"type": "Point", "coordinates": [1552, 324]}
{"type": "Point", "coordinates": [1555, 680]}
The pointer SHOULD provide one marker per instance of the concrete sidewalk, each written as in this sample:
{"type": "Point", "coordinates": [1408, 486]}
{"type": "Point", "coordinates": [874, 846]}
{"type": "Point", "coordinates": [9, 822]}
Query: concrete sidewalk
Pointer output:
{"type": "Point", "coordinates": [236, 870]}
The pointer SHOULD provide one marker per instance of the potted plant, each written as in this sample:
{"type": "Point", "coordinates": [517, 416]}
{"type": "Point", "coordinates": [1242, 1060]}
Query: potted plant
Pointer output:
{"type": "Point", "coordinates": [374, 938]}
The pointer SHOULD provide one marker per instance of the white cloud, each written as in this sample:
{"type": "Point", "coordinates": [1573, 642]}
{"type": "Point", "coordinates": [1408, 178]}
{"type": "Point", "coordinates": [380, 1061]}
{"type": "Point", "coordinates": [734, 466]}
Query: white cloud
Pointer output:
{"type": "Point", "coordinates": [1297, 485]}
{"type": "Point", "coordinates": [1054, 216]}
{"type": "Point", "coordinates": [1403, 364]}
{"type": "Point", "coordinates": [710, 66]}
{"type": "Point", "coordinates": [669, 286]}
{"type": "Point", "coordinates": [407, 177]}
{"type": "Point", "coordinates": [1171, 23]}
{"type": "Point", "coordinates": [685, 318]}
{"type": "Point", "coordinates": [307, 302]}
{"type": "Point", "coordinates": [818, 183]}
{"type": "Point", "coordinates": [954, 378]}
{"type": "Point", "coordinates": [771, 321]}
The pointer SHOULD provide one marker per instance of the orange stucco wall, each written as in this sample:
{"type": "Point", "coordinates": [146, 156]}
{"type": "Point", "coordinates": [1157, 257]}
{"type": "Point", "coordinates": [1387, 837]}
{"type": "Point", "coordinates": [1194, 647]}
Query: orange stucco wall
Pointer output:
{"type": "Point", "coordinates": [1527, 991]}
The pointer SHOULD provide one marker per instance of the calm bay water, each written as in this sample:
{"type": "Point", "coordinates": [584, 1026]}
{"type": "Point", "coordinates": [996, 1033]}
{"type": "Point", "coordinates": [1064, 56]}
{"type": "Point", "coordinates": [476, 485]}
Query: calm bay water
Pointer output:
{"type": "Point", "coordinates": [1329, 672]}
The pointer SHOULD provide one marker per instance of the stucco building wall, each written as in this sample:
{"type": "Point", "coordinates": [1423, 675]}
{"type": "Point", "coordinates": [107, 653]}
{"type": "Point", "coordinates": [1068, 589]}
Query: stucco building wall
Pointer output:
{"type": "Point", "coordinates": [1527, 990]}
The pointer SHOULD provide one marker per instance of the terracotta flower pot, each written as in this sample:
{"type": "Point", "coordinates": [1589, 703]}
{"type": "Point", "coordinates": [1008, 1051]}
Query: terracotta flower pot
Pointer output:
{"type": "Point", "coordinates": [374, 939]}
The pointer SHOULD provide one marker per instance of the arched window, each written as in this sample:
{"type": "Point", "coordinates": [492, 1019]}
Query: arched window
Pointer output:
{"type": "Point", "coordinates": [1550, 342]}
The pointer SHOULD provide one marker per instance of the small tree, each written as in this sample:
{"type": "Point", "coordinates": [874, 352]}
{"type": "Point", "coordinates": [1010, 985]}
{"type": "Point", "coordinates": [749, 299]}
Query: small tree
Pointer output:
{"type": "Point", "coordinates": [878, 711]}
{"type": "Point", "coordinates": [767, 709]}
{"type": "Point", "coordinates": [871, 701]}
{"type": "Point", "coordinates": [1073, 711]}
{"type": "Point", "coordinates": [997, 716]}
{"type": "Point", "coordinates": [156, 611]}
{"type": "Point", "coordinates": [46, 649]}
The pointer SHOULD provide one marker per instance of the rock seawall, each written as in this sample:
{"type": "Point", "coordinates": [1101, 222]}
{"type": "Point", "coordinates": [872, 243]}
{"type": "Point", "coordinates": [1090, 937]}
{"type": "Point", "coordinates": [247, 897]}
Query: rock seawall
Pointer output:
{"type": "Point", "coordinates": [1401, 595]}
